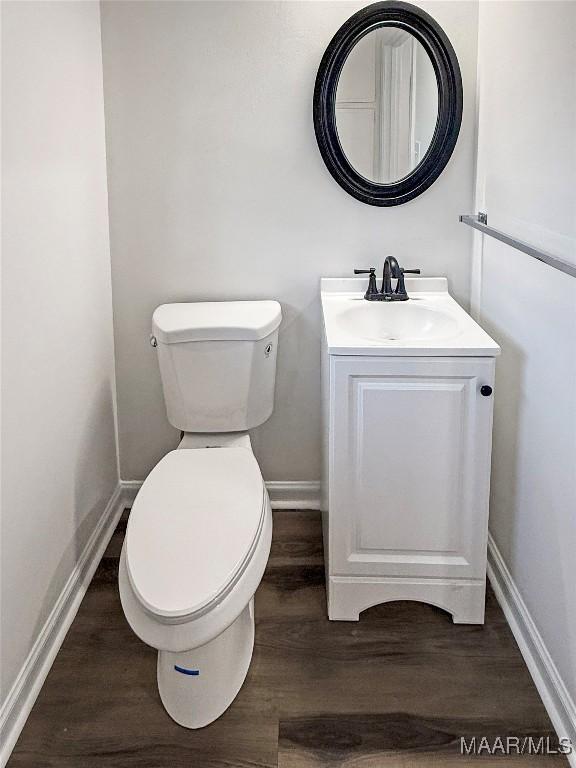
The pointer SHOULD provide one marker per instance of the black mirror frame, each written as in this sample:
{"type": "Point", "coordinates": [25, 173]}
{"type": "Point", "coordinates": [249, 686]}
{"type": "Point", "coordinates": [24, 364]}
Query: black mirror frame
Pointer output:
{"type": "Point", "coordinates": [435, 42]}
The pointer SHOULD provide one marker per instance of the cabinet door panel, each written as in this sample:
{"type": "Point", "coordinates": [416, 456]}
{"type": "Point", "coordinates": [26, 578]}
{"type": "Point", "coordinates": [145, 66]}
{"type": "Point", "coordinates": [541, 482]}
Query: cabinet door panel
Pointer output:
{"type": "Point", "coordinates": [409, 459]}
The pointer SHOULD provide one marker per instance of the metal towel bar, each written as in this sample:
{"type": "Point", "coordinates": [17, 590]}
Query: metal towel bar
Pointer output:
{"type": "Point", "coordinates": [480, 222]}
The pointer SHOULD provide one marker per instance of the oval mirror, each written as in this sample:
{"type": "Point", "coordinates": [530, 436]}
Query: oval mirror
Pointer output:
{"type": "Point", "coordinates": [388, 103]}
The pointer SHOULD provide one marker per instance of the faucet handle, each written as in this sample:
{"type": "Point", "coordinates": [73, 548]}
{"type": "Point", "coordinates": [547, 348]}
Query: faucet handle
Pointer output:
{"type": "Point", "coordinates": [372, 291]}
{"type": "Point", "coordinates": [400, 292]}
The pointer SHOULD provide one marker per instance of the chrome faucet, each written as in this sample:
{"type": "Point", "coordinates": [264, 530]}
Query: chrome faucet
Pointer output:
{"type": "Point", "coordinates": [392, 271]}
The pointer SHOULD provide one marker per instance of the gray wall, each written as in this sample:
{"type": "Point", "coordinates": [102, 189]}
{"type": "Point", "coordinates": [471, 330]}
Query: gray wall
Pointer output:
{"type": "Point", "coordinates": [59, 449]}
{"type": "Point", "coordinates": [526, 172]}
{"type": "Point", "coordinates": [217, 190]}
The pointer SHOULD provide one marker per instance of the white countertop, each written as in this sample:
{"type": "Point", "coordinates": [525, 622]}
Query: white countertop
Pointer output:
{"type": "Point", "coordinates": [354, 326]}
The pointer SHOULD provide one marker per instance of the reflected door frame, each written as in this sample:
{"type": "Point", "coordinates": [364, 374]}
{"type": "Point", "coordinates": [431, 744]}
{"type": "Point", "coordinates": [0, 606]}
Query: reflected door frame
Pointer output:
{"type": "Point", "coordinates": [392, 107]}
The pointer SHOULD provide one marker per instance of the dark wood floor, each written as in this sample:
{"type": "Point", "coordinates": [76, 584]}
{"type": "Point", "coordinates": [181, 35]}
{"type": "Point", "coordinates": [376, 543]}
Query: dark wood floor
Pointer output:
{"type": "Point", "coordinates": [399, 688]}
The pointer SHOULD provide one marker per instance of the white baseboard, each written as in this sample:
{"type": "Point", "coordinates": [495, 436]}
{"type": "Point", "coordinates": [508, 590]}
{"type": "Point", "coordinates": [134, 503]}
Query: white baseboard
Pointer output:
{"type": "Point", "coordinates": [294, 494]}
{"type": "Point", "coordinates": [291, 494]}
{"type": "Point", "coordinates": [553, 692]}
{"type": "Point", "coordinates": [130, 490]}
{"type": "Point", "coordinates": [27, 685]}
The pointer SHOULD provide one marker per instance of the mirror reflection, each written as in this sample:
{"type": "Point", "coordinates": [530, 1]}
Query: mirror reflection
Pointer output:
{"type": "Point", "coordinates": [386, 105]}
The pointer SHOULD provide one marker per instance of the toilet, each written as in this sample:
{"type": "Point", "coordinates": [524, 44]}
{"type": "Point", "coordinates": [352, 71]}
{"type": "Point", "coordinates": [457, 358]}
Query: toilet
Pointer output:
{"type": "Point", "coordinates": [200, 529]}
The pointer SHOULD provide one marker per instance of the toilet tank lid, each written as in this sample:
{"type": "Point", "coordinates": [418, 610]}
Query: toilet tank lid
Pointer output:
{"type": "Point", "coordinates": [215, 321]}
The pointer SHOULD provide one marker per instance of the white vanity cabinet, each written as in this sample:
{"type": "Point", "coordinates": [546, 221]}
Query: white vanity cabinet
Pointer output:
{"type": "Point", "coordinates": [407, 444]}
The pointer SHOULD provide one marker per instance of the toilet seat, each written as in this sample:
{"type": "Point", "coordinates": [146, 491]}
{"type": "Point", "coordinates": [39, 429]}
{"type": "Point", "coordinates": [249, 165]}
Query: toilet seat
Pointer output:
{"type": "Point", "coordinates": [193, 529]}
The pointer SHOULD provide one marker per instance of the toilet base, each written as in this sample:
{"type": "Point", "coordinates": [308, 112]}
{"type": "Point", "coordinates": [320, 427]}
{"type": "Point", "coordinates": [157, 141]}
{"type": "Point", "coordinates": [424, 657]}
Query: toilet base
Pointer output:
{"type": "Point", "coordinates": [198, 686]}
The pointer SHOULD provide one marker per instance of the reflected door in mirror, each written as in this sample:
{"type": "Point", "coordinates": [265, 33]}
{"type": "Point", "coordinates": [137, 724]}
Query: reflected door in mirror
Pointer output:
{"type": "Point", "coordinates": [386, 105]}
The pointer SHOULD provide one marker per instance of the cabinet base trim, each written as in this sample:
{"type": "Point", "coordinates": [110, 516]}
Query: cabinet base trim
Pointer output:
{"type": "Point", "coordinates": [348, 596]}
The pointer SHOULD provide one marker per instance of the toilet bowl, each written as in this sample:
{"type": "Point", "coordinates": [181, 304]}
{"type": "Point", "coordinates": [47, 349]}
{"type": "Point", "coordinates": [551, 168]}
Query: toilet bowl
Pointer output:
{"type": "Point", "coordinates": [200, 529]}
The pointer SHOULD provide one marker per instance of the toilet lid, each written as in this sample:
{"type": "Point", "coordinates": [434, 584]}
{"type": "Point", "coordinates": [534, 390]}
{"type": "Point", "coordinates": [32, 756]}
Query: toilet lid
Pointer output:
{"type": "Point", "coordinates": [193, 528]}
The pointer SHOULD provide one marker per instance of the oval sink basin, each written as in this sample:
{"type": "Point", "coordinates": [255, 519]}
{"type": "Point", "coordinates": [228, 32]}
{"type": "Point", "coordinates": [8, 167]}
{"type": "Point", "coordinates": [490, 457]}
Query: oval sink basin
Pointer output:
{"type": "Point", "coordinates": [398, 321]}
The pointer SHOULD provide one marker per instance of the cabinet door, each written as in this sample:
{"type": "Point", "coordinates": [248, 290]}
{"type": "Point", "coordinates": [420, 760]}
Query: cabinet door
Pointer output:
{"type": "Point", "coordinates": [409, 466]}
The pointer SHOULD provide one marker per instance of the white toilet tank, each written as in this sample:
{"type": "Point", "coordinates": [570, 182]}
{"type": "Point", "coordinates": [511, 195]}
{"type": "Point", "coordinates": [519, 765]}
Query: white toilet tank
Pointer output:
{"type": "Point", "coordinates": [217, 363]}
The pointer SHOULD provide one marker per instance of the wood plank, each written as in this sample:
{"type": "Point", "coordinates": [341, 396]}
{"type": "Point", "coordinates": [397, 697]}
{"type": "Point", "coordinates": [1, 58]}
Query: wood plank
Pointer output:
{"type": "Point", "coordinates": [399, 739]}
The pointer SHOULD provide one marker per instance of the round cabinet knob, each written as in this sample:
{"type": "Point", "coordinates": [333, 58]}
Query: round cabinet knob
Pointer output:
{"type": "Point", "coordinates": [486, 390]}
